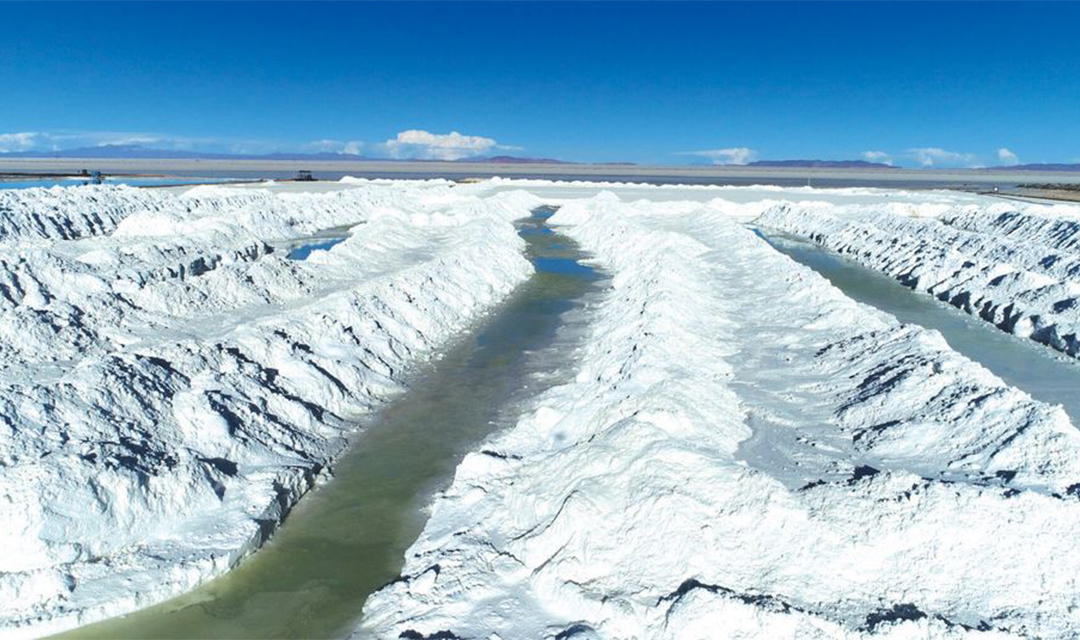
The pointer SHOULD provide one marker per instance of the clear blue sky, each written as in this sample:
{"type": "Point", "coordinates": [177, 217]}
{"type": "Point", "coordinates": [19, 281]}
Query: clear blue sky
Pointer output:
{"type": "Point", "coordinates": [634, 82]}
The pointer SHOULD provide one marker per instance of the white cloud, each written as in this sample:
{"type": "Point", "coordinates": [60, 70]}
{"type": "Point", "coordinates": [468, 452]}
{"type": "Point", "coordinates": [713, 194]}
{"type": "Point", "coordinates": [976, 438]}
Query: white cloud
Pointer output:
{"type": "Point", "coordinates": [132, 139]}
{"type": "Point", "coordinates": [1007, 157]}
{"type": "Point", "coordinates": [731, 155]}
{"type": "Point", "coordinates": [55, 140]}
{"type": "Point", "coordinates": [323, 145]}
{"type": "Point", "coordinates": [932, 156]}
{"type": "Point", "coordinates": [414, 143]}
{"type": "Point", "coordinates": [335, 146]}
{"type": "Point", "coordinates": [23, 141]}
{"type": "Point", "coordinates": [417, 143]}
{"type": "Point", "coordinates": [877, 156]}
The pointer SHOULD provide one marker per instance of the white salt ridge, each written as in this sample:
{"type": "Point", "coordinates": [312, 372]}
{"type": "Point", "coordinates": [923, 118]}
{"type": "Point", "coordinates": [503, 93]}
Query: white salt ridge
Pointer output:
{"type": "Point", "coordinates": [171, 387]}
{"type": "Point", "coordinates": [66, 213]}
{"type": "Point", "coordinates": [748, 453]}
{"type": "Point", "coordinates": [159, 265]}
{"type": "Point", "coordinates": [1016, 266]}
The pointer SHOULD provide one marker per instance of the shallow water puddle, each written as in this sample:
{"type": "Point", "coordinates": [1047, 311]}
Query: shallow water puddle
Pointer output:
{"type": "Point", "coordinates": [348, 538]}
{"type": "Point", "coordinates": [302, 252]}
{"type": "Point", "coordinates": [302, 248]}
{"type": "Point", "coordinates": [1021, 363]}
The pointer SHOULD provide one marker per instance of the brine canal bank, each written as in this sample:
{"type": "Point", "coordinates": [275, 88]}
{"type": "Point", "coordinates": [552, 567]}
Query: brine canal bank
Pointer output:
{"type": "Point", "coordinates": [1039, 371]}
{"type": "Point", "coordinates": [347, 538]}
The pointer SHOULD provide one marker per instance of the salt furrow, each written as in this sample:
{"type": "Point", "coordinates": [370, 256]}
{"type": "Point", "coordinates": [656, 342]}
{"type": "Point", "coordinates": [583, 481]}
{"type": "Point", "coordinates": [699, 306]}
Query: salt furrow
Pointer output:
{"type": "Point", "coordinates": [154, 451]}
{"type": "Point", "coordinates": [275, 216]}
{"type": "Point", "coordinates": [748, 453]}
{"type": "Point", "coordinates": [1019, 270]}
{"type": "Point", "coordinates": [66, 213]}
{"type": "Point", "coordinates": [166, 257]}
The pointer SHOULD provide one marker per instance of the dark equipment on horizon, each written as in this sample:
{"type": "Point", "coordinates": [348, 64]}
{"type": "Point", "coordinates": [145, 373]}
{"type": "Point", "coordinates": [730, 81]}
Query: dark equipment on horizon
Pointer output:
{"type": "Point", "coordinates": [93, 178]}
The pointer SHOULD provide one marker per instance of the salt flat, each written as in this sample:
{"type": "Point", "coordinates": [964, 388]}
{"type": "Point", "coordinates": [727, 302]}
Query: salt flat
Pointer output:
{"type": "Point", "coordinates": [744, 448]}
{"type": "Point", "coordinates": [719, 174]}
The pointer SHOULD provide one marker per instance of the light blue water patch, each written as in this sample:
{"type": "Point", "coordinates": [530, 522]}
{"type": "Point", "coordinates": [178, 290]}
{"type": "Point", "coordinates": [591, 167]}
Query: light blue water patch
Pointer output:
{"type": "Point", "coordinates": [543, 231]}
{"type": "Point", "coordinates": [562, 266]}
{"type": "Point", "coordinates": [1031, 367]}
{"type": "Point", "coordinates": [304, 251]}
{"type": "Point", "coordinates": [30, 184]}
{"type": "Point", "coordinates": [132, 181]}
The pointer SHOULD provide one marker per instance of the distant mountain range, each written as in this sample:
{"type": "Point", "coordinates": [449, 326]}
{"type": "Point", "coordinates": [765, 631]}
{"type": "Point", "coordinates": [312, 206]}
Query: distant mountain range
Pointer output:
{"type": "Point", "coordinates": [822, 164]}
{"type": "Point", "coordinates": [135, 151]}
{"type": "Point", "coordinates": [513, 160]}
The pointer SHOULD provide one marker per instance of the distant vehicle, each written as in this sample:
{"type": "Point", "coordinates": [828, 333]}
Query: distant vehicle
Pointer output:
{"type": "Point", "coordinates": [304, 176]}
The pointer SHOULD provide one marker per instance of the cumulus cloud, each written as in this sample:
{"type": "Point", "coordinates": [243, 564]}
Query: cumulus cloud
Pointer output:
{"type": "Point", "coordinates": [417, 143]}
{"type": "Point", "coordinates": [1007, 157]}
{"type": "Point", "coordinates": [877, 156]}
{"type": "Point", "coordinates": [731, 155]}
{"type": "Point", "coordinates": [23, 141]}
{"type": "Point", "coordinates": [933, 156]}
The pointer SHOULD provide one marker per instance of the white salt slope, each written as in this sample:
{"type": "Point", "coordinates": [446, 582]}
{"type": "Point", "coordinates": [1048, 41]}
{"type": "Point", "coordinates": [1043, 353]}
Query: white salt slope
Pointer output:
{"type": "Point", "coordinates": [748, 453]}
{"type": "Point", "coordinates": [729, 196]}
{"type": "Point", "coordinates": [1014, 265]}
{"type": "Point", "coordinates": [171, 386]}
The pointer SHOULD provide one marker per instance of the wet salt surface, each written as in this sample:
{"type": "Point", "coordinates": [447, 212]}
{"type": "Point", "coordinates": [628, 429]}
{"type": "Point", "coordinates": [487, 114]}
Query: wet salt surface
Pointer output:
{"type": "Point", "coordinates": [348, 538]}
{"type": "Point", "coordinates": [1026, 365]}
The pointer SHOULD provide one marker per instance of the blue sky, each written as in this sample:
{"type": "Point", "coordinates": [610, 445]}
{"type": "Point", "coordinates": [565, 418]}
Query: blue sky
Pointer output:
{"type": "Point", "coordinates": [917, 84]}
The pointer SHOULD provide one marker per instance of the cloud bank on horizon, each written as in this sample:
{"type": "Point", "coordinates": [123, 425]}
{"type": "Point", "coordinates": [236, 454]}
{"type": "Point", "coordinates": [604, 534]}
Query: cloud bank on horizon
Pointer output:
{"type": "Point", "coordinates": [926, 157]}
{"type": "Point", "coordinates": [419, 144]}
{"type": "Point", "coordinates": [934, 156]}
{"type": "Point", "coordinates": [409, 144]}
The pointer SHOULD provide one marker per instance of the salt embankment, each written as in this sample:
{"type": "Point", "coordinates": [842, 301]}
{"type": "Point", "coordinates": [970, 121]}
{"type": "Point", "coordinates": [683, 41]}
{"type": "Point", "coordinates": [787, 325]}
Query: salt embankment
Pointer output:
{"type": "Point", "coordinates": [171, 385]}
{"type": "Point", "coordinates": [747, 452]}
{"type": "Point", "coordinates": [1014, 265]}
